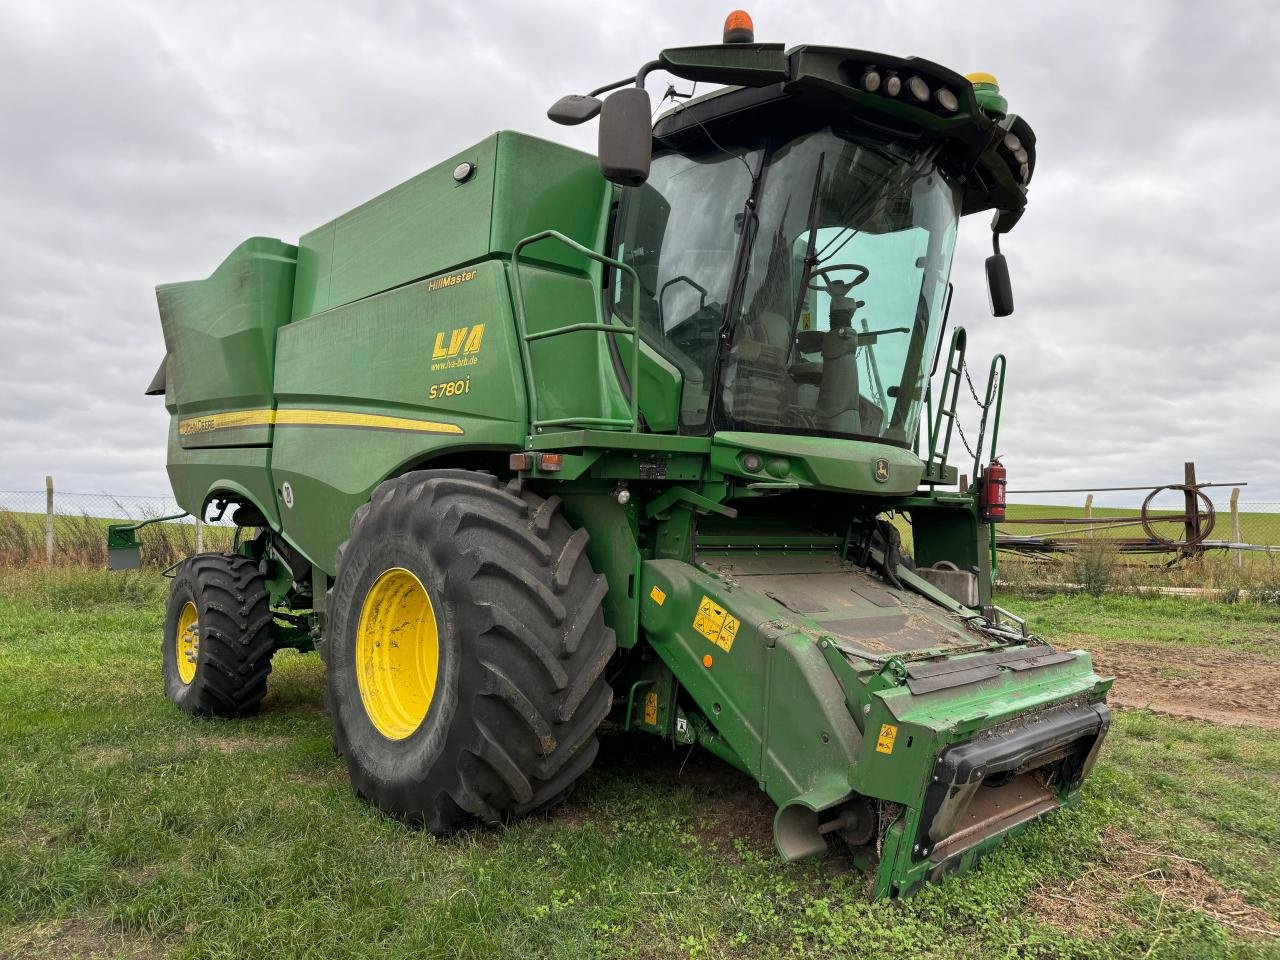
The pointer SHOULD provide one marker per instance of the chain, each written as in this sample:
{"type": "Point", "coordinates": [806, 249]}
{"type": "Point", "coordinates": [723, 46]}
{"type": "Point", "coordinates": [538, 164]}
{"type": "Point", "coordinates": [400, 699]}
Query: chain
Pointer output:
{"type": "Point", "coordinates": [964, 366]}
{"type": "Point", "coordinates": [964, 439]}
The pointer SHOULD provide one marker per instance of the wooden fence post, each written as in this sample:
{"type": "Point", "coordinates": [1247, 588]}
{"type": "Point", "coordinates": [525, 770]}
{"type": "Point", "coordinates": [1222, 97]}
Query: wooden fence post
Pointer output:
{"type": "Point", "coordinates": [1235, 525]}
{"type": "Point", "coordinates": [48, 520]}
{"type": "Point", "coordinates": [1192, 521]}
{"type": "Point", "coordinates": [1088, 513]}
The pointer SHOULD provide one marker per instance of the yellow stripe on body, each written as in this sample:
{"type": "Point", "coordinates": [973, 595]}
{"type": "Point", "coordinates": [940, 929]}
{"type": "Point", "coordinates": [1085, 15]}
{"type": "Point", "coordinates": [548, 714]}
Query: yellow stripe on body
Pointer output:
{"type": "Point", "coordinates": [194, 426]}
{"type": "Point", "coordinates": [342, 418]}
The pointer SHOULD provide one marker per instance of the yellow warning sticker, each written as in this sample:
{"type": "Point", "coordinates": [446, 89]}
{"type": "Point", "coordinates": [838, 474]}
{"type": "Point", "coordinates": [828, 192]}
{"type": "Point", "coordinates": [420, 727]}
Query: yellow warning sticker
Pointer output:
{"type": "Point", "coordinates": [716, 624]}
{"type": "Point", "coordinates": [651, 708]}
{"type": "Point", "coordinates": [658, 595]}
{"type": "Point", "coordinates": [888, 734]}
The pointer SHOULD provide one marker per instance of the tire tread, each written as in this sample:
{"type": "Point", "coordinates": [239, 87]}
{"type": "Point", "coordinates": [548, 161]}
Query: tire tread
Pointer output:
{"type": "Point", "coordinates": [529, 607]}
{"type": "Point", "coordinates": [235, 636]}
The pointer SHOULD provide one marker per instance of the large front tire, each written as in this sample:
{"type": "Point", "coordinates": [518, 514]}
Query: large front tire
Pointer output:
{"type": "Point", "coordinates": [466, 651]}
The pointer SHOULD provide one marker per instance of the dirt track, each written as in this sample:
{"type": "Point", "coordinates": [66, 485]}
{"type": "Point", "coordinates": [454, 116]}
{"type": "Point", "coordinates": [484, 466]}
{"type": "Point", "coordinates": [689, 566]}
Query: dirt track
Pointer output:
{"type": "Point", "coordinates": [1203, 683]}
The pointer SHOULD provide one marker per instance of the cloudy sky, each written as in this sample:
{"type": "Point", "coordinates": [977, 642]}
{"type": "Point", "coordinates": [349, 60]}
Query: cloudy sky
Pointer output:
{"type": "Point", "coordinates": [140, 142]}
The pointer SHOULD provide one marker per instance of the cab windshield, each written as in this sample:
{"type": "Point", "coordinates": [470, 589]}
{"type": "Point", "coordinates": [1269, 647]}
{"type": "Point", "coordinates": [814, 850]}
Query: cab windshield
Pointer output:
{"type": "Point", "coordinates": [844, 278]}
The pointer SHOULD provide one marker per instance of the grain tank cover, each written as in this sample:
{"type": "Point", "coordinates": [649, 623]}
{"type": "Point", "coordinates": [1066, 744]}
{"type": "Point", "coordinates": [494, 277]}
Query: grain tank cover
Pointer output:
{"type": "Point", "coordinates": [436, 221]}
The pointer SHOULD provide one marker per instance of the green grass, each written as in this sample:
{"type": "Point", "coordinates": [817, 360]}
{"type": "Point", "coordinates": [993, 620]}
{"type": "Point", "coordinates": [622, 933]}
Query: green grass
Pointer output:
{"type": "Point", "coordinates": [128, 827]}
{"type": "Point", "coordinates": [1153, 619]}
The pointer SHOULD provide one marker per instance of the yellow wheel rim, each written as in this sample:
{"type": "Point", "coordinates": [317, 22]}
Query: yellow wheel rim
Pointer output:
{"type": "Point", "coordinates": [397, 653]}
{"type": "Point", "coordinates": [186, 642]}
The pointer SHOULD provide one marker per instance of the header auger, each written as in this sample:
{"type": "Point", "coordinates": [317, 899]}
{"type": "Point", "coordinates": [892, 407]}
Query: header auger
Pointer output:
{"type": "Point", "coordinates": [538, 440]}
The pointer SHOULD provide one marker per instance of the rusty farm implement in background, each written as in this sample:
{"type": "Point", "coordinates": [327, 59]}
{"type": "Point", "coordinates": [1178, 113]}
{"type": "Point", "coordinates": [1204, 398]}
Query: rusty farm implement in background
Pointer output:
{"type": "Point", "coordinates": [1152, 528]}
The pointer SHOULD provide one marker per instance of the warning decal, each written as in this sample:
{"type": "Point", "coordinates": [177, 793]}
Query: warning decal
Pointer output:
{"type": "Point", "coordinates": [651, 708]}
{"type": "Point", "coordinates": [888, 734]}
{"type": "Point", "coordinates": [716, 624]}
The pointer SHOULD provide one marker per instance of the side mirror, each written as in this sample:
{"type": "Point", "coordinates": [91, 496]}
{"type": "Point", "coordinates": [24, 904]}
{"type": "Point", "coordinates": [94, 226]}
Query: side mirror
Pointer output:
{"type": "Point", "coordinates": [626, 137]}
{"type": "Point", "coordinates": [574, 109]}
{"type": "Point", "coordinates": [999, 288]}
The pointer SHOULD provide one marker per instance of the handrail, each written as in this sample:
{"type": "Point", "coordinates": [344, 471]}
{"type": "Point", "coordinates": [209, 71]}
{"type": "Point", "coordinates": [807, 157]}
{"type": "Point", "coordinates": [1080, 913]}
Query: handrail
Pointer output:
{"type": "Point", "coordinates": [928, 416]}
{"type": "Point", "coordinates": [995, 392]}
{"type": "Point", "coordinates": [536, 425]}
{"type": "Point", "coordinates": [948, 396]}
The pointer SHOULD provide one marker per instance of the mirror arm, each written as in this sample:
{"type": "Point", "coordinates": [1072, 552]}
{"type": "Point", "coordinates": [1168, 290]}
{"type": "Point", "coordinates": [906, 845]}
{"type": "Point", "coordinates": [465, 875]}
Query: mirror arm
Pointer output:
{"type": "Point", "coordinates": [638, 79]}
{"type": "Point", "coordinates": [1004, 220]}
{"type": "Point", "coordinates": [643, 73]}
{"type": "Point", "coordinates": [611, 86]}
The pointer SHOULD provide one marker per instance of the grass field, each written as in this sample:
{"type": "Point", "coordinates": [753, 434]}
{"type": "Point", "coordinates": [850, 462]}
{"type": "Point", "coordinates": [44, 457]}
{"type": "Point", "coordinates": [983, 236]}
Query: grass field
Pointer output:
{"type": "Point", "coordinates": [128, 829]}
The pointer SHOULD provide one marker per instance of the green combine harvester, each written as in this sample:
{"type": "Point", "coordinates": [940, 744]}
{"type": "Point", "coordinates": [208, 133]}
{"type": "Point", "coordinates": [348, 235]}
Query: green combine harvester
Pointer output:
{"type": "Point", "coordinates": [538, 440]}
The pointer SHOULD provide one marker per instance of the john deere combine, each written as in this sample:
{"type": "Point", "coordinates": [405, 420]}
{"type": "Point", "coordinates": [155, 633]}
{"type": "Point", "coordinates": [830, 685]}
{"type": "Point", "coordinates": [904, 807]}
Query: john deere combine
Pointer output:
{"type": "Point", "coordinates": [538, 440]}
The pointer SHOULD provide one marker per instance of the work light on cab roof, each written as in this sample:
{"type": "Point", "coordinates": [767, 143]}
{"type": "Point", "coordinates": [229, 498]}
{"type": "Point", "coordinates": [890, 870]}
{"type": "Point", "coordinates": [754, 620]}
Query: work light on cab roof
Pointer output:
{"type": "Point", "coordinates": [537, 440]}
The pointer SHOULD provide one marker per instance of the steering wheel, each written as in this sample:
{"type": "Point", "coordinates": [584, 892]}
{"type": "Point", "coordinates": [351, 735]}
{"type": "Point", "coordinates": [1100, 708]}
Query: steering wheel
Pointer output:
{"type": "Point", "coordinates": [837, 288]}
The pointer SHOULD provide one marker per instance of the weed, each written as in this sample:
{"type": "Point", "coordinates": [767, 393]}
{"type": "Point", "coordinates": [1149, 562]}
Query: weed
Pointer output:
{"type": "Point", "coordinates": [1094, 566]}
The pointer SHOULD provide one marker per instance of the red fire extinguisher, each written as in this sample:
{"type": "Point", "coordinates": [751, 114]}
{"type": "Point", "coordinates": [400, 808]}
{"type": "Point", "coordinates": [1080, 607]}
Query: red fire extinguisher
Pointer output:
{"type": "Point", "coordinates": [993, 489]}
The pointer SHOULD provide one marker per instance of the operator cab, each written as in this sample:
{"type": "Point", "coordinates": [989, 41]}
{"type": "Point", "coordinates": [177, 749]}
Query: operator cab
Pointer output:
{"type": "Point", "coordinates": [792, 232]}
{"type": "Point", "coordinates": [798, 284]}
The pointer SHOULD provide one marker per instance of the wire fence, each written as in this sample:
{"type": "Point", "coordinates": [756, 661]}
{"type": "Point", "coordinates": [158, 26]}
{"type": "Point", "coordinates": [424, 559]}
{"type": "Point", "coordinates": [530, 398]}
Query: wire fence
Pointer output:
{"type": "Point", "coordinates": [1144, 538]}
{"type": "Point", "coordinates": [59, 527]}
{"type": "Point", "coordinates": [1064, 542]}
{"type": "Point", "coordinates": [104, 506]}
{"type": "Point", "coordinates": [1223, 523]}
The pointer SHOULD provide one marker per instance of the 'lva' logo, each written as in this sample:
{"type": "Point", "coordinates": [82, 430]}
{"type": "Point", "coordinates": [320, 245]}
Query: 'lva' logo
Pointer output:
{"type": "Point", "coordinates": [463, 340]}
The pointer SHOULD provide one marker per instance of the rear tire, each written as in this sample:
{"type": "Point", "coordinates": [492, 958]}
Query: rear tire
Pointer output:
{"type": "Point", "coordinates": [217, 636]}
{"type": "Point", "coordinates": [481, 704]}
